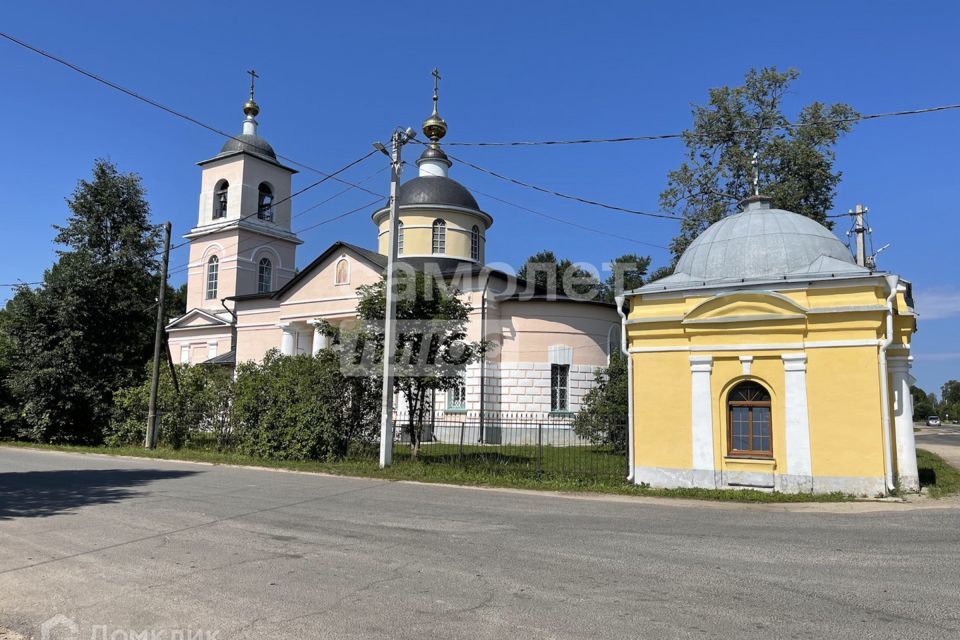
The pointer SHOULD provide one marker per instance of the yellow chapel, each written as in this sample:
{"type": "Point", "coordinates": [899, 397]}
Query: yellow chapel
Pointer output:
{"type": "Point", "coordinates": [772, 360]}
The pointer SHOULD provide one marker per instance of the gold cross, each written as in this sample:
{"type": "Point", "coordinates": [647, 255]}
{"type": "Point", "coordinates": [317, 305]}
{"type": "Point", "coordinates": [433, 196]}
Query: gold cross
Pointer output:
{"type": "Point", "coordinates": [253, 77]}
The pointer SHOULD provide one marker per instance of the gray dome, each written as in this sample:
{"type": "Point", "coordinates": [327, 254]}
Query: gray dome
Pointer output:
{"type": "Point", "coordinates": [436, 190]}
{"type": "Point", "coordinates": [760, 243]}
{"type": "Point", "coordinates": [251, 144]}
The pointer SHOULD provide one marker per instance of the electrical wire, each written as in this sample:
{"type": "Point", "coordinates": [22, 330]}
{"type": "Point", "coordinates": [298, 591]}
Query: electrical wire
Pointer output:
{"type": "Point", "coordinates": [558, 194]}
{"type": "Point", "coordinates": [229, 223]}
{"type": "Point", "coordinates": [675, 136]}
{"type": "Point", "coordinates": [187, 266]}
{"type": "Point", "coordinates": [163, 107]}
{"type": "Point", "coordinates": [567, 222]}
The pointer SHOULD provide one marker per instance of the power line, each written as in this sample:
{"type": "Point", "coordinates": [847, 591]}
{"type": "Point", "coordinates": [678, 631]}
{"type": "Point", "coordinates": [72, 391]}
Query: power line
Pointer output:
{"type": "Point", "coordinates": [19, 284]}
{"type": "Point", "coordinates": [186, 267]}
{"type": "Point", "coordinates": [162, 107]}
{"type": "Point", "coordinates": [238, 249]}
{"type": "Point", "coordinates": [675, 136]}
{"type": "Point", "coordinates": [567, 222]}
{"type": "Point", "coordinates": [258, 211]}
{"type": "Point", "coordinates": [566, 196]}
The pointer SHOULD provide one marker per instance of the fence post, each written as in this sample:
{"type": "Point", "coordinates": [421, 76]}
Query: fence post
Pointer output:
{"type": "Point", "coordinates": [539, 449]}
{"type": "Point", "coordinates": [463, 426]}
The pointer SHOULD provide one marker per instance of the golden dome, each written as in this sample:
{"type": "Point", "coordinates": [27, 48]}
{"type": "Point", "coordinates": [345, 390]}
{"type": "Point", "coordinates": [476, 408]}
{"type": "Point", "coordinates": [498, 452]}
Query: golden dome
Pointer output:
{"type": "Point", "coordinates": [251, 108]}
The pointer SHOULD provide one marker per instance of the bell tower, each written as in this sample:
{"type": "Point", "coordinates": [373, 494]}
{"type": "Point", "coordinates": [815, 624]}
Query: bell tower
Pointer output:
{"type": "Point", "coordinates": [242, 243]}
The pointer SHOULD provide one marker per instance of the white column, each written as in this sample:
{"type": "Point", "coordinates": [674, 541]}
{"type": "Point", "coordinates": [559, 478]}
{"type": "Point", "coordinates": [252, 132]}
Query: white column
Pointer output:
{"type": "Point", "coordinates": [899, 368]}
{"type": "Point", "coordinates": [320, 339]}
{"type": "Point", "coordinates": [286, 342]}
{"type": "Point", "coordinates": [799, 464]}
{"type": "Point", "coordinates": [702, 422]}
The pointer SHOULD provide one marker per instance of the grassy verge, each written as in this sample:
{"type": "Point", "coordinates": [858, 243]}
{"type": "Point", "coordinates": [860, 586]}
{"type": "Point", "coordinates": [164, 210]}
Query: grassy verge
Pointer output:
{"type": "Point", "coordinates": [936, 475]}
{"type": "Point", "coordinates": [428, 470]}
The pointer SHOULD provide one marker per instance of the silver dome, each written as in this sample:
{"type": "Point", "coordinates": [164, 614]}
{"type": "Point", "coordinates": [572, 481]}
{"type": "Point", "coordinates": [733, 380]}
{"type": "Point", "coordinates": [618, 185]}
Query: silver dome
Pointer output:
{"type": "Point", "coordinates": [761, 243]}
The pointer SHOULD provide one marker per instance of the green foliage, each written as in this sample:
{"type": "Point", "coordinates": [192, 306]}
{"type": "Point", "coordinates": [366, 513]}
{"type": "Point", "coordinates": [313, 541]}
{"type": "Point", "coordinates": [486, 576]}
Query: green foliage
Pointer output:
{"type": "Point", "coordinates": [550, 274]}
{"type": "Point", "coordinates": [88, 330]}
{"type": "Point", "coordinates": [939, 478]}
{"type": "Point", "coordinates": [627, 273]}
{"type": "Point", "coordinates": [562, 276]}
{"type": "Point", "coordinates": [199, 411]}
{"type": "Point", "coordinates": [796, 163]}
{"type": "Point", "coordinates": [432, 332]}
{"type": "Point", "coordinates": [302, 408]}
{"type": "Point", "coordinates": [924, 404]}
{"type": "Point", "coordinates": [603, 416]}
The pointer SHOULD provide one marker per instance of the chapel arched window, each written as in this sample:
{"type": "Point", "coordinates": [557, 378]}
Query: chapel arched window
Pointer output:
{"type": "Point", "coordinates": [750, 430]}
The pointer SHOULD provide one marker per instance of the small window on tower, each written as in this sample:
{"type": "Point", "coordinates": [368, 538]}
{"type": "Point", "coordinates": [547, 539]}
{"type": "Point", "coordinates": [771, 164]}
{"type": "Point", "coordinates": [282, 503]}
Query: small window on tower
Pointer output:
{"type": "Point", "coordinates": [220, 200]}
{"type": "Point", "coordinates": [264, 275]}
{"type": "Point", "coordinates": [439, 236]}
{"type": "Point", "coordinates": [400, 237]}
{"type": "Point", "coordinates": [475, 243]}
{"type": "Point", "coordinates": [213, 268]}
{"type": "Point", "coordinates": [265, 202]}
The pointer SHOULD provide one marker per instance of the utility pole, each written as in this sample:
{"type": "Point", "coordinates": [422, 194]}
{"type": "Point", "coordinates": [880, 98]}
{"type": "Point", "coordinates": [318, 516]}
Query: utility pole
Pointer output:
{"type": "Point", "coordinates": [150, 441]}
{"type": "Point", "coordinates": [861, 232]}
{"type": "Point", "coordinates": [397, 141]}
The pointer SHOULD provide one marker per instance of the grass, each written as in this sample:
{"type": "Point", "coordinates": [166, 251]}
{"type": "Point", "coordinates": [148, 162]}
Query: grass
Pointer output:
{"type": "Point", "coordinates": [480, 468]}
{"type": "Point", "coordinates": [936, 475]}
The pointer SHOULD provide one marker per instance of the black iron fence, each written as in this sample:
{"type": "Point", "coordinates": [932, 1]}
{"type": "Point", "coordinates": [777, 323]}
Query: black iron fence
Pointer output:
{"type": "Point", "coordinates": [545, 446]}
{"type": "Point", "coordinates": [538, 445]}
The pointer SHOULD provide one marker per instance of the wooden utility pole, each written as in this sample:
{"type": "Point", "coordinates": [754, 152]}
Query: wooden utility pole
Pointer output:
{"type": "Point", "coordinates": [150, 442]}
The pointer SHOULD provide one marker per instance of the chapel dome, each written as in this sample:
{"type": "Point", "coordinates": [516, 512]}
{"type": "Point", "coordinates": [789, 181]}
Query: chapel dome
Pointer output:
{"type": "Point", "coordinates": [759, 243]}
{"type": "Point", "coordinates": [251, 143]}
{"type": "Point", "coordinates": [432, 189]}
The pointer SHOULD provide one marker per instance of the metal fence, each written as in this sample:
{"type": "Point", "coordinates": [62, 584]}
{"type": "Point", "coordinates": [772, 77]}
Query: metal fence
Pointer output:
{"type": "Point", "coordinates": [536, 445]}
{"type": "Point", "coordinates": [545, 446]}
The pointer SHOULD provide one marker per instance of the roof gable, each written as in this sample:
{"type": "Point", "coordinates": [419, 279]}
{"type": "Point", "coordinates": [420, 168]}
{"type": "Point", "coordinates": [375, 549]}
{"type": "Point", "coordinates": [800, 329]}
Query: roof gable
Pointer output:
{"type": "Point", "coordinates": [372, 260]}
{"type": "Point", "coordinates": [197, 318]}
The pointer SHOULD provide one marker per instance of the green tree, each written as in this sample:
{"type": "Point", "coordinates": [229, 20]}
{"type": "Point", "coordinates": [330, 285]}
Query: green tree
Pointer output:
{"type": "Point", "coordinates": [87, 331]}
{"type": "Point", "coordinates": [432, 348]}
{"type": "Point", "coordinates": [795, 163]}
{"type": "Point", "coordinates": [603, 416]}
{"type": "Point", "coordinates": [552, 275]}
{"type": "Point", "coordinates": [8, 405]}
{"type": "Point", "coordinates": [924, 404]}
{"type": "Point", "coordinates": [627, 273]}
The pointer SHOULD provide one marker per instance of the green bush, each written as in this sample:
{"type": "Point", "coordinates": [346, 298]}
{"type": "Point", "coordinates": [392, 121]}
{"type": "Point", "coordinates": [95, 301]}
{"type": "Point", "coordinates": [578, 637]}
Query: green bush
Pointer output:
{"type": "Point", "coordinates": [303, 408]}
{"type": "Point", "coordinates": [200, 411]}
{"type": "Point", "coordinates": [603, 418]}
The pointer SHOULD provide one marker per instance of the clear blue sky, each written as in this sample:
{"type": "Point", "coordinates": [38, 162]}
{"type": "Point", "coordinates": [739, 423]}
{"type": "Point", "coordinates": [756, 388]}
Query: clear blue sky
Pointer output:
{"type": "Point", "coordinates": [336, 76]}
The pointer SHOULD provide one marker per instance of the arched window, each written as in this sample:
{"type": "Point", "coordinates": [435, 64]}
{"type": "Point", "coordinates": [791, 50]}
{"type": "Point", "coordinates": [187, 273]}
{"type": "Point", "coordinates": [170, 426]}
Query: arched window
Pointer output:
{"type": "Point", "coordinates": [748, 410]}
{"type": "Point", "coordinates": [264, 275]}
{"type": "Point", "coordinates": [213, 269]}
{"type": "Point", "coordinates": [400, 237]}
{"type": "Point", "coordinates": [265, 202]}
{"type": "Point", "coordinates": [439, 236]}
{"type": "Point", "coordinates": [220, 199]}
{"type": "Point", "coordinates": [475, 243]}
{"type": "Point", "coordinates": [343, 272]}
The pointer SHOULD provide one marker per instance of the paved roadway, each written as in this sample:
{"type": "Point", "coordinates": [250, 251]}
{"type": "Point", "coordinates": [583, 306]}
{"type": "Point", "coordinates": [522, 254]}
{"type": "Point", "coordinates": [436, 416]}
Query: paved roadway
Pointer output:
{"type": "Point", "coordinates": [943, 441]}
{"type": "Point", "coordinates": [124, 545]}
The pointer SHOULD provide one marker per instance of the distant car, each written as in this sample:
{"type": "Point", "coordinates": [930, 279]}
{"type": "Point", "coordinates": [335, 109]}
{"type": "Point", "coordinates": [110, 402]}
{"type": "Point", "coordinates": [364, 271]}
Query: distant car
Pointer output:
{"type": "Point", "coordinates": [933, 421]}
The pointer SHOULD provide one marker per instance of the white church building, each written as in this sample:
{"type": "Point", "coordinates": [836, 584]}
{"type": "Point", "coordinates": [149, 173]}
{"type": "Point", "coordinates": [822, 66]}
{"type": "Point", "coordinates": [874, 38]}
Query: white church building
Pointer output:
{"type": "Point", "coordinates": [245, 295]}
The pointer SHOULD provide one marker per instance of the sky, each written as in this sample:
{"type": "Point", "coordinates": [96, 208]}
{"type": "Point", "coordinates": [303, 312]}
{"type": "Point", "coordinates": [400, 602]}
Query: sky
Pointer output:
{"type": "Point", "coordinates": [337, 76]}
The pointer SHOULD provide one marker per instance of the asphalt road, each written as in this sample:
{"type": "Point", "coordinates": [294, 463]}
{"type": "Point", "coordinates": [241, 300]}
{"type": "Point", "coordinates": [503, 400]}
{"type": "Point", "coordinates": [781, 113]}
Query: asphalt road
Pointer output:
{"type": "Point", "coordinates": [943, 441]}
{"type": "Point", "coordinates": [122, 546]}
